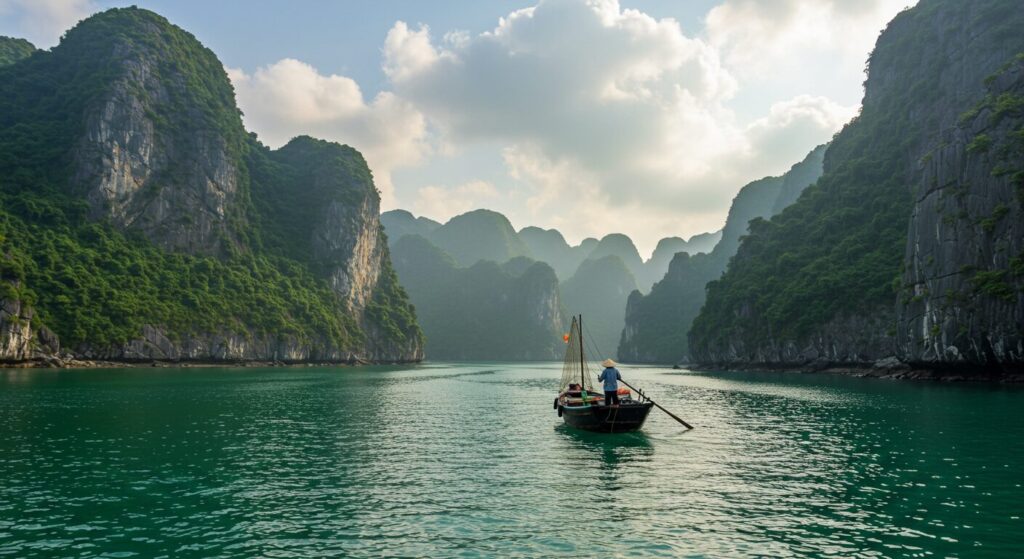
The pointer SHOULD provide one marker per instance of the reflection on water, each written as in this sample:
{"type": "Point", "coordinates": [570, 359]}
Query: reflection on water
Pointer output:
{"type": "Point", "coordinates": [471, 460]}
{"type": "Point", "coordinates": [610, 451]}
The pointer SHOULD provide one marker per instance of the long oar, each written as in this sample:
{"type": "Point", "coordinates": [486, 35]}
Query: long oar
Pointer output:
{"type": "Point", "coordinates": [670, 414]}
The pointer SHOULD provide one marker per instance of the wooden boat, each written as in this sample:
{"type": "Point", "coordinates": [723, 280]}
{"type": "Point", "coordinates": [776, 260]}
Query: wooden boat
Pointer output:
{"type": "Point", "coordinates": [581, 406]}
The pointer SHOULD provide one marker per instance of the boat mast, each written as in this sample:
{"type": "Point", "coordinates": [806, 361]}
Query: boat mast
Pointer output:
{"type": "Point", "coordinates": [583, 375]}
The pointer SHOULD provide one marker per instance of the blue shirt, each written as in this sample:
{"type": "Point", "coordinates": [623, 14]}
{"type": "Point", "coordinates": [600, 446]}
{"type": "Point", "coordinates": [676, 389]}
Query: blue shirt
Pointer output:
{"type": "Point", "coordinates": [610, 376]}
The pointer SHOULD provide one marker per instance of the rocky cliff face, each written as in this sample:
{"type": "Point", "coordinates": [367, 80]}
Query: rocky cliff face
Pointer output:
{"type": "Point", "coordinates": [197, 242]}
{"type": "Point", "coordinates": [348, 241]}
{"type": "Point", "coordinates": [852, 339]}
{"type": "Point", "coordinates": [917, 194]}
{"type": "Point", "coordinates": [536, 293]}
{"type": "Point", "coordinates": [656, 324]}
{"type": "Point", "coordinates": [16, 334]}
{"type": "Point", "coordinates": [158, 344]}
{"type": "Point", "coordinates": [21, 338]}
{"type": "Point", "coordinates": [152, 157]}
{"type": "Point", "coordinates": [345, 239]}
{"type": "Point", "coordinates": [324, 211]}
{"type": "Point", "coordinates": [964, 296]}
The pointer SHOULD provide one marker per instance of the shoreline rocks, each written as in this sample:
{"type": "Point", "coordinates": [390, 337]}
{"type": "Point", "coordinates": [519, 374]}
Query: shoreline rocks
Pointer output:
{"type": "Point", "coordinates": [890, 368]}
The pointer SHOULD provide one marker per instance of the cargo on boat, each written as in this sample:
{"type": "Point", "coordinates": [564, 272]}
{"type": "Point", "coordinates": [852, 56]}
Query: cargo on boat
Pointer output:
{"type": "Point", "coordinates": [583, 407]}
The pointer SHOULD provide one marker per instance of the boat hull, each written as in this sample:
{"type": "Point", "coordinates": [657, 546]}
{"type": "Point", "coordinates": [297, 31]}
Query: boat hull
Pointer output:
{"type": "Point", "coordinates": [607, 419]}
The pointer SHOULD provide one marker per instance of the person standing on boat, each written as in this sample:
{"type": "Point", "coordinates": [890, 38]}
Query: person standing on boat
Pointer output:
{"type": "Point", "coordinates": [611, 377]}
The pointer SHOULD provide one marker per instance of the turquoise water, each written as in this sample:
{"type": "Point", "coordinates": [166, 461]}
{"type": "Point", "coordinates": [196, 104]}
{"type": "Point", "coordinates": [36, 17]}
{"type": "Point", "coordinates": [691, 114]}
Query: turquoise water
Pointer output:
{"type": "Point", "coordinates": [471, 460]}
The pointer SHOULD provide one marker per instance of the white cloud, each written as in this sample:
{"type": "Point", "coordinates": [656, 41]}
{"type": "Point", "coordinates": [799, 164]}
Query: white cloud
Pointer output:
{"type": "Point", "coordinates": [570, 198]}
{"type": "Point", "coordinates": [772, 38]}
{"type": "Point", "coordinates": [407, 51]}
{"type": "Point", "coordinates": [291, 98]}
{"type": "Point", "coordinates": [447, 202]}
{"type": "Point", "coordinates": [42, 21]}
{"type": "Point", "coordinates": [606, 114]}
{"type": "Point", "coordinates": [604, 118]}
{"type": "Point", "coordinates": [792, 125]}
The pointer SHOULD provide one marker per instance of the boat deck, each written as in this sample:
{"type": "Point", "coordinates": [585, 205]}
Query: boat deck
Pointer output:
{"type": "Point", "coordinates": [587, 411]}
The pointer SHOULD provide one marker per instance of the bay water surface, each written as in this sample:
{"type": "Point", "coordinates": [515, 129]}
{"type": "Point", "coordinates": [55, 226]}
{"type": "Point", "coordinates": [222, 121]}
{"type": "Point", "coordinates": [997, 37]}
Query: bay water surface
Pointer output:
{"type": "Point", "coordinates": [470, 460]}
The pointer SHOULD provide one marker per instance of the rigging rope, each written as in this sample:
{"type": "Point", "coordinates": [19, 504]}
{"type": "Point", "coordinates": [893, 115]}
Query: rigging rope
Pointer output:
{"type": "Point", "coordinates": [571, 366]}
{"type": "Point", "coordinates": [575, 362]}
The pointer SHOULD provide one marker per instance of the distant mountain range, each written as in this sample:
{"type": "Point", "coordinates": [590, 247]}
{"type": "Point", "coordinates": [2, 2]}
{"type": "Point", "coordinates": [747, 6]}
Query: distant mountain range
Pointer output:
{"type": "Point", "coordinates": [488, 235]}
{"type": "Point", "coordinates": [605, 280]}
{"type": "Point", "coordinates": [485, 311]}
{"type": "Point", "coordinates": [471, 277]}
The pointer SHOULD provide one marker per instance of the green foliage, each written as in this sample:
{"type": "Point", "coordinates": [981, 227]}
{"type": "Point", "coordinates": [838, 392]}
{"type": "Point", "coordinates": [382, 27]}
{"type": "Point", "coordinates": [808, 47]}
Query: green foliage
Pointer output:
{"type": "Point", "coordinates": [43, 99]}
{"type": "Point", "coordinates": [981, 143]}
{"type": "Point", "coordinates": [93, 283]}
{"type": "Point", "coordinates": [12, 50]}
{"type": "Point", "coordinates": [836, 251]}
{"type": "Point", "coordinates": [1017, 266]}
{"type": "Point", "coordinates": [989, 223]}
{"type": "Point", "coordinates": [1008, 146]}
{"type": "Point", "coordinates": [993, 283]}
{"type": "Point", "coordinates": [392, 312]}
{"type": "Point", "coordinates": [660, 322]}
{"type": "Point", "coordinates": [294, 185]}
{"type": "Point", "coordinates": [656, 317]}
{"type": "Point", "coordinates": [971, 114]}
{"type": "Point", "coordinates": [1007, 104]}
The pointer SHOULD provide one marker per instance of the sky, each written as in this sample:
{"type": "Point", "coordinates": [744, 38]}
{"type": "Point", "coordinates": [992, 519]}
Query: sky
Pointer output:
{"type": "Point", "coordinates": [643, 117]}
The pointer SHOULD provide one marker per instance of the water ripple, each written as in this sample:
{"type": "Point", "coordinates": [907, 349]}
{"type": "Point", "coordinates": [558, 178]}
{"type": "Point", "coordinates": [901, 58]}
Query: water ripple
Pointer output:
{"type": "Point", "coordinates": [471, 461]}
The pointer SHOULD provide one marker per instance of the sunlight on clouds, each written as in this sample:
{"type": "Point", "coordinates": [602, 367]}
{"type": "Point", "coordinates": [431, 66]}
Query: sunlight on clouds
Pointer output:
{"type": "Point", "coordinates": [569, 198]}
{"type": "Point", "coordinates": [291, 98]}
{"type": "Point", "coordinates": [759, 38]}
{"type": "Point", "coordinates": [446, 203]}
{"type": "Point", "coordinates": [793, 124]}
{"type": "Point", "coordinates": [612, 109]}
{"type": "Point", "coordinates": [42, 21]}
{"type": "Point", "coordinates": [604, 110]}
{"type": "Point", "coordinates": [406, 52]}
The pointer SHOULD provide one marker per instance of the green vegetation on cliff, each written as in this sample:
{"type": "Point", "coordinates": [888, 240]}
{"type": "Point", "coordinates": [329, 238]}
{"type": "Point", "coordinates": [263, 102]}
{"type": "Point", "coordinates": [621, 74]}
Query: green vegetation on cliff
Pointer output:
{"type": "Point", "coordinates": [838, 252]}
{"type": "Point", "coordinates": [91, 283]}
{"type": "Point", "coordinates": [13, 50]}
{"type": "Point", "coordinates": [293, 185]}
{"type": "Point", "coordinates": [96, 283]}
{"type": "Point", "coordinates": [44, 99]}
{"type": "Point", "coordinates": [657, 325]}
